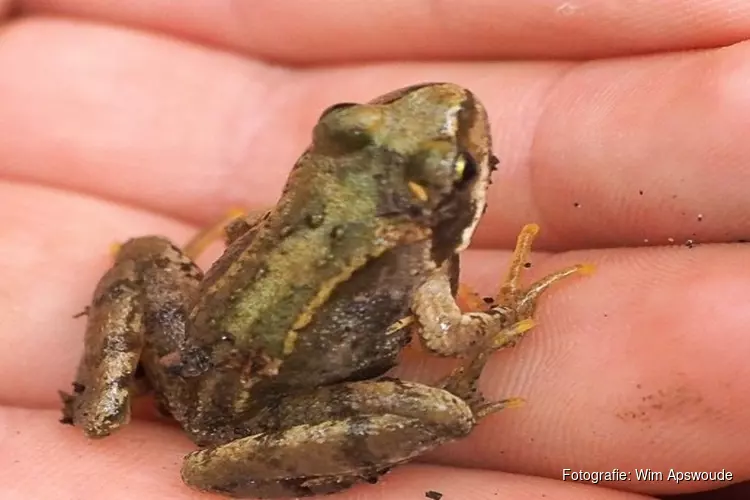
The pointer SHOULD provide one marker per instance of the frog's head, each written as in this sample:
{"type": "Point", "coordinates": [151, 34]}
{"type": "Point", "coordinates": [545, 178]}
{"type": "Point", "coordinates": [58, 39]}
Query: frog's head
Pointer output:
{"type": "Point", "coordinates": [428, 147]}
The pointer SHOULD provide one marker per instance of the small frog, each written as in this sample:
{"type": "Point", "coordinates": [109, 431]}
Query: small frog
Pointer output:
{"type": "Point", "coordinates": [273, 362]}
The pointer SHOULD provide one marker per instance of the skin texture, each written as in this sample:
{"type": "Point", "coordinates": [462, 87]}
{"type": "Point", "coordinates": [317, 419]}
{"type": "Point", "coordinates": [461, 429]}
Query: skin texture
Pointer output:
{"type": "Point", "coordinates": [642, 365]}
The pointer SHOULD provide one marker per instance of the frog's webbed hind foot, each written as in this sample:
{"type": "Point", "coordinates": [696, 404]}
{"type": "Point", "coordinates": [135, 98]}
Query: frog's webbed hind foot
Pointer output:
{"type": "Point", "coordinates": [463, 381]}
{"type": "Point", "coordinates": [329, 439]}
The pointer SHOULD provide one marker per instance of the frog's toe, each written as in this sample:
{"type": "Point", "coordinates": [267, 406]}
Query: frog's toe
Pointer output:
{"type": "Point", "coordinates": [510, 335]}
{"type": "Point", "coordinates": [68, 401]}
{"type": "Point", "coordinates": [97, 410]}
{"type": "Point", "coordinates": [485, 408]}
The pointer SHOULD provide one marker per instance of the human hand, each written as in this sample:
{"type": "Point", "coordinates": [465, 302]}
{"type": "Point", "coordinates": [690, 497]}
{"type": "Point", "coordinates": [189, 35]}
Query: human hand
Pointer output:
{"type": "Point", "coordinates": [164, 117]}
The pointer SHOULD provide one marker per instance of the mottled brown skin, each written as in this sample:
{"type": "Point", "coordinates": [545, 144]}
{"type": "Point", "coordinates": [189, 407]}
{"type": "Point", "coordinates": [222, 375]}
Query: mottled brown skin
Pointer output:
{"type": "Point", "coordinates": [147, 289]}
{"type": "Point", "coordinates": [272, 362]}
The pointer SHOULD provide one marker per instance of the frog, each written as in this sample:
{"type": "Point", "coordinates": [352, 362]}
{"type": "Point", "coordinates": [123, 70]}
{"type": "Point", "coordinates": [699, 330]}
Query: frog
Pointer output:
{"type": "Point", "coordinates": [276, 360]}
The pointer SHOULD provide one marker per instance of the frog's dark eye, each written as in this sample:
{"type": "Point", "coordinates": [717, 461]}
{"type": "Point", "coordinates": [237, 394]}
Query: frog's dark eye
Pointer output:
{"type": "Point", "coordinates": [335, 107]}
{"type": "Point", "coordinates": [464, 169]}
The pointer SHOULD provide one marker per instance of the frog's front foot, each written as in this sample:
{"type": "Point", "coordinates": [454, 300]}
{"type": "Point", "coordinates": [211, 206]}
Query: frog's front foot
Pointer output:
{"type": "Point", "coordinates": [330, 439]}
{"type": "Point", "coordinates": [447, 331]}
{"type": "Point", "coordinates": [515, 301]}
{"type": "Point", "coordinates": [473, 336]}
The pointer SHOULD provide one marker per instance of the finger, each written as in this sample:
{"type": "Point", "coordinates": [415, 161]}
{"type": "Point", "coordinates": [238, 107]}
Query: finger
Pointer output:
{"type": "Point", "coordinates": [602, 154]}
{"type": "Point", "coordinates": [622, 367]}
{"type": "Point", "coordinates": [653, 153]}
{"type": "Point", "coordinates": [145, 459]}
{"type": "Point", "coordinates": [627, 153]}
{"type": "Point", "coordinates": [56, 246]}
{"type": "Point", "coordinates": [641, 366]}
{"type": "Point", "coordinates": [144, 127]}
{"type": "Point", "coordinates": [428, 29]}
{"type": "Point", "coordinates": [5, 8]}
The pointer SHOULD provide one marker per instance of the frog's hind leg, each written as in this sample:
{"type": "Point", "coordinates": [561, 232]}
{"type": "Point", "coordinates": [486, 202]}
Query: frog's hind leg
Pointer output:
{"type": "Point", "coordinates": [330, 439]}
{"type": "Point", "coordinates": [150, 279]}
{"type": "Point", "coordinates": [100, 402]}
{"type": "Point", "coordinates": [463, 382]}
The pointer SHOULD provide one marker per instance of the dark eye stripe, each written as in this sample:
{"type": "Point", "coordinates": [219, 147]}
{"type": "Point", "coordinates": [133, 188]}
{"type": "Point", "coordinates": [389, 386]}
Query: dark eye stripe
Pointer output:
{"type": "Point", "coordinates": [470, 170]}
{"type": "Point", "coordinates": [467, 115]}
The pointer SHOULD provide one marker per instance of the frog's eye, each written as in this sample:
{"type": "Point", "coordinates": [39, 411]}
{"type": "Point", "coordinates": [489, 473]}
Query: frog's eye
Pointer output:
{"type": "Point", "coordinates": [336, 107]}
{"type": "Point", "coordinates": [346, 127]}
{"type": "Point", "coordinates": [464, 169]}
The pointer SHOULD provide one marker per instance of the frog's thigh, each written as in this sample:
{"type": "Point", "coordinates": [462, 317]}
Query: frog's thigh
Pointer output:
{"type": "Point", "coordinates": [358, 431]}
{"type": "Point", "coordinates": [112, 347]}
{"type": "Point", "coordinates": [125, 298]}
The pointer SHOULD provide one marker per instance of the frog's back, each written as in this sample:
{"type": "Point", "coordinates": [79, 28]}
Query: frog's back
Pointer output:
{"type": "Point", "coordinates": [386, 192]}
{"type": "Point", "coordinates": [349, 338]}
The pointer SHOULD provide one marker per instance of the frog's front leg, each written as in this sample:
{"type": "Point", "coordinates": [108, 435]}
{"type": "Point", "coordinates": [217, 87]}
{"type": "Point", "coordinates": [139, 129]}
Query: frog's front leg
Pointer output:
{"type": "Point", "coordinates": [146, 290]}
{"type": "Point", "coordinates": [329, 439]}
{"type": "Point", "coordinates": [447, 331]}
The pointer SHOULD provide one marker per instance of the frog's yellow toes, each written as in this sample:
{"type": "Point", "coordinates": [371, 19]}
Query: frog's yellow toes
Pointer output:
{"type": "Point", "coordinates": [235, 213]}
{"type": "Point", "coordinates": [496, 406]}
{"type": "Point", "coordinates": [586, 269]}
{"type": "Point", "coordinates": [114, 249]}
{"type": "Point", "coordinates": [531, 229]}
{"type": "Point", "coordinates": [511, 334]}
